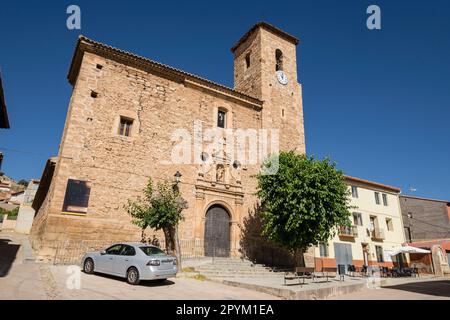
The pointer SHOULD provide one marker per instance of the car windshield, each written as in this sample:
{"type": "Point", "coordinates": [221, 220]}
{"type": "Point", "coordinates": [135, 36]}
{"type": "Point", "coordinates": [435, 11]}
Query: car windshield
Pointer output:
{"type": "Point", "coordinates": [150, 251]}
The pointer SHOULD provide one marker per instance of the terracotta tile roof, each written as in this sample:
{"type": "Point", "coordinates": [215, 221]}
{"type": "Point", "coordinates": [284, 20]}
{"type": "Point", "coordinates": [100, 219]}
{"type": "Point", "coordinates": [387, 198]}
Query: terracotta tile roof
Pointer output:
{"type": "Point", "coordinates": [88, 45]}
{"type": "Point", "coordinates": [372, 183]}
{"type": "Point", "coordinates": [427, 199]}
{"type": "Point", "coordinates": [268, 27]}
{"type": "Point", "coordinates": [4, 121]}
{"type": "Point", "coordinates": [444, 243]}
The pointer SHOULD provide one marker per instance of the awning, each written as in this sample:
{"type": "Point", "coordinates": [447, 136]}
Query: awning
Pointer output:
{"type": "Point", "coordinates": [409, 249]}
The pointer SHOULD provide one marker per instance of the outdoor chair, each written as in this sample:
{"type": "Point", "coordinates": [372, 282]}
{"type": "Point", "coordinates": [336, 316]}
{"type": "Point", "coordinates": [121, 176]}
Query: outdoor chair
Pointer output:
{"type": "Point", "coordinates": [386, 272]}
{"type": "Point", "coordinates": [363, 270]}
{"type": "Point", "coordinates": [407, 272]}
{"type": "Point", "coordinates": [396, 272]}
{"type": "Point", "coordinates": [351, 270]}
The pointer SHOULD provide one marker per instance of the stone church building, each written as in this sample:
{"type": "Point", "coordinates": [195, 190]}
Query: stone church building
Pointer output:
{"type": "Point", "coordinates": [119, 130]}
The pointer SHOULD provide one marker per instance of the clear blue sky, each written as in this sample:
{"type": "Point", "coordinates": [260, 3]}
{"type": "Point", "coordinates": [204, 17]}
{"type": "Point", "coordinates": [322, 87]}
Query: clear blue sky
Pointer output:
{"type": "Point", "coordinates": [376, 102]}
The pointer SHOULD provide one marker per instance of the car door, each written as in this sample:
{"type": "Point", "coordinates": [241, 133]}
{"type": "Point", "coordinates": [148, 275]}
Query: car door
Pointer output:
{"type": "Point", "coordinates": [124, 260]}
{"type": "Point", "coordinates": [107, 260]}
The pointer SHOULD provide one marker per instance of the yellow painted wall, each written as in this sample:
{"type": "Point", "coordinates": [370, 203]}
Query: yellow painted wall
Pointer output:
{"type": "Point", "coordinates": [367, 206]}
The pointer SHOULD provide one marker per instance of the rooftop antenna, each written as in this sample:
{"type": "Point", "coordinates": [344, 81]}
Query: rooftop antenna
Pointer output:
{"type": "Point", "coordinates": [411, 189]}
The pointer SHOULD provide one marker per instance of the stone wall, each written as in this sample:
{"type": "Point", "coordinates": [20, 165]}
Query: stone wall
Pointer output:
{"type": "Point", "coordinates": [159, 103]}
{"type": "Point", "coordinates": [119, 167]}
{"type": "Point", "coordinates": [429, 218]}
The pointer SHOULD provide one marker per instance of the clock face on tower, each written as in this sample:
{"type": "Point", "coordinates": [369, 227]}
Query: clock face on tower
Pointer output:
{"type": "Point", "coordinates": [282, 78]}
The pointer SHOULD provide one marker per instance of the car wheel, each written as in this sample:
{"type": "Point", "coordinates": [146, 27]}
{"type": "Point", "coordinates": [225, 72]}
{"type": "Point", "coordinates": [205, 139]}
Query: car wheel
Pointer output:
{"type": "Point", "coordinates": [133, 276]}
{"type": "Point", "coordinates": [88, 266]}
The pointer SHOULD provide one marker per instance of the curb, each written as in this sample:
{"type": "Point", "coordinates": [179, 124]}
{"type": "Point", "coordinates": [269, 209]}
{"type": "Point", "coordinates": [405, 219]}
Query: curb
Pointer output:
{"type": "Point", "coordinates": [27, 250]}
{"type": "Point", "coordinates": [313, 294]}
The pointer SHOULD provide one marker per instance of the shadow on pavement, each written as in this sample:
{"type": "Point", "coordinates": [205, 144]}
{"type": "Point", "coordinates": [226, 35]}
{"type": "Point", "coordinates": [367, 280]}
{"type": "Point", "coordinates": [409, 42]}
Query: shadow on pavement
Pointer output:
{"type": "Point", "coordinates": [144, 283]}
{"type": "Point", "coordinates": [433, 288]}
{"type": "Point", "coordinates": [8, 253]}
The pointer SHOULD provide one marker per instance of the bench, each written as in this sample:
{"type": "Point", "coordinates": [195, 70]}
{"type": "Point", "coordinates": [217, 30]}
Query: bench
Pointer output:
{"type": "Point", "coordinates": [325, 273]}
{"type": "Point", "coordinates": [299, 273]}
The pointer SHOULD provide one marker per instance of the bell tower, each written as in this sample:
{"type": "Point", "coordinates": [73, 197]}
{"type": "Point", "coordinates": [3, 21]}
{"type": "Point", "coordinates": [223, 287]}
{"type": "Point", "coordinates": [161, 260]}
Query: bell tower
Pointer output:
{"type": "Point", "coordinates": [265, 67]}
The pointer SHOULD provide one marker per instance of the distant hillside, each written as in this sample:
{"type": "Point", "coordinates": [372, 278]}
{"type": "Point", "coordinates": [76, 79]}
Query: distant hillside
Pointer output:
{"type": "Point", "coordinates": [15, 186]}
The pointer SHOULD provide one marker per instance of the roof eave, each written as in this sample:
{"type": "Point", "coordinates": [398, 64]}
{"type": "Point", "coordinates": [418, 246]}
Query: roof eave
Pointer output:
{"type": "Point", "coordinates": [425, 199]}
{"type": "Point", "coordinates": [268, 27]}
{"type": "Point", "coordinates": [85, 44]}
{"type": "Point", "coordinates": [372, 183]}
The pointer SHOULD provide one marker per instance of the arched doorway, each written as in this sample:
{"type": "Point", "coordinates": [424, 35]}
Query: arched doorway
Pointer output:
{"type": "Point", "coordinates": [217, 232]}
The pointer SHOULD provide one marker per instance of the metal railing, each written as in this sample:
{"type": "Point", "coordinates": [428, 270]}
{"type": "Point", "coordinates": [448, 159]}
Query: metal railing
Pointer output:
{"type": "Point", "coordinates": [72, 251]}
{"type": "Point", "coordinates": [348, 231]}
{"type": "Point", "coordinates": [189, 248]}
{"type": "Point", "coordinates": [377, 233]}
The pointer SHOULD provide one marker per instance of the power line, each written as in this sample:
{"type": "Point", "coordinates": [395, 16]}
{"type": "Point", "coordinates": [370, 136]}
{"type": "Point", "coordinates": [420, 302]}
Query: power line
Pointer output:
{"type": "Point", "coordinates": [430, 224]}
{"type": "Point", "coordinates": [24, 152]}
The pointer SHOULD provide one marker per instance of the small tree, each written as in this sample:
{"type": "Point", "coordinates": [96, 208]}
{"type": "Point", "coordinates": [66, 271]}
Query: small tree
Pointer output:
{"type": "Point", "coordinates": [160, 209]}
{"type": "Point", "coordinates": [23, 182]}
{"type": "Point", "coordinates": [303, 203]}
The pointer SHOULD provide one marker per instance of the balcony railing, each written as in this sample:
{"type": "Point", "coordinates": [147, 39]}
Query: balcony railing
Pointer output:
{"type": "Point", "coordinates": [345, 231]}
{"type": "Point", "coordinates": [377, 234]}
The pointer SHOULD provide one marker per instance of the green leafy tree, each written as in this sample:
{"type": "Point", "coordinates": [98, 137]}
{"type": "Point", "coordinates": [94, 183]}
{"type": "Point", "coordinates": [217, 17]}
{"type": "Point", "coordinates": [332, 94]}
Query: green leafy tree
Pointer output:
{"type": "Point", "coordinates": [23, 182]}
{"type": "Point", "coordinates": [303, 203]}
{"type": "Point", "coordinates": [159, 208]}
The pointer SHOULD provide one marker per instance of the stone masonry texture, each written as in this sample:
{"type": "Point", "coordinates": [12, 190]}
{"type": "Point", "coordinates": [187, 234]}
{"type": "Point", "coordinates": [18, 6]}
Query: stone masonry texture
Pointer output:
{"type": "Point", "coordinates": [118, 167]}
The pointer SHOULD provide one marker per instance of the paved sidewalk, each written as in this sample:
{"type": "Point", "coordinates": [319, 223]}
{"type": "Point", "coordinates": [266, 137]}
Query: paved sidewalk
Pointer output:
{"type": "Point", "coordinates": [107, 287]}
{"type": "Point", "coordinates": [427, 287]}
{"type": "Point", "coordinates": [23, 278]}
{"type": "Point", "coordinates": [20, 278]}
{"type": "Point", "coordinates": [308, 291]}
{"type": "Point", "coordinates": [422, 289]}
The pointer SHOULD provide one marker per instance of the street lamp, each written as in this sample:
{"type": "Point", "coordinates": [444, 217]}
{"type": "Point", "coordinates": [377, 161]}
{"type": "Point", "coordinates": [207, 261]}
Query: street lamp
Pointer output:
{"type": "Point", "coordinates": [177, 176]}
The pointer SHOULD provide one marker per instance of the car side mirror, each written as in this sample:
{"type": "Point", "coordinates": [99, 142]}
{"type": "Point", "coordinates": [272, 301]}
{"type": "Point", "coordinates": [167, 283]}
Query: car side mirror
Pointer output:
{"type": "Point", "coordinates": [103, 252]}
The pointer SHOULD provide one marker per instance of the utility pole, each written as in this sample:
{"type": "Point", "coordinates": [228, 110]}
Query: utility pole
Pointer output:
{"type": "Point", "coordinates": [1, 160]}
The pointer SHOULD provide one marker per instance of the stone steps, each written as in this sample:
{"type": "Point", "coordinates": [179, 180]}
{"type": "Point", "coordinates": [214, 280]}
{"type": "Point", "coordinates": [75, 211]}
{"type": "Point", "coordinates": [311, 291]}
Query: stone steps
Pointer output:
{"type": "Point", "coordinates": [243, 270]}
{"type": "Point", "coordinates": [234, 271]}
{"type": "Point", "coordinates": [238, 275]}
{"type": "Point", "coordinates": [230, 268]}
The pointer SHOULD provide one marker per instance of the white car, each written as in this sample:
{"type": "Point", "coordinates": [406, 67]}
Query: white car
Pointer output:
{"type": "Point", "coordinates": [133, 261]}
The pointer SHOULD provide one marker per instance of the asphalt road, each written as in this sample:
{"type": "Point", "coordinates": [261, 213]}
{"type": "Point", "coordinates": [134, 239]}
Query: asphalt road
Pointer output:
{"type": "Point", "coordinates": [21, 279]}
{"type": "Point", "coordinates": [432, 289]}
{"type": "Point", "coordinates": [24, 279]}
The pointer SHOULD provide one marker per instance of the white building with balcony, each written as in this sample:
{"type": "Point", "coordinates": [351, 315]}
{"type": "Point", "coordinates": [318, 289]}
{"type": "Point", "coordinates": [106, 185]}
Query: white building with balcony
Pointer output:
{"type": "Point", "coordinates": [376, 230]}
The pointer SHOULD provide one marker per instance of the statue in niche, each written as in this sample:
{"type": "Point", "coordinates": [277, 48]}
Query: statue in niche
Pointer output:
{"type": "Point", "coordinates": [220, 173]}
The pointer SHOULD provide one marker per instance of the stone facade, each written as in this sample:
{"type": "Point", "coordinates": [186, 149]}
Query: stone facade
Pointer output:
{"type": "Point", "coordinates": [160, 100]}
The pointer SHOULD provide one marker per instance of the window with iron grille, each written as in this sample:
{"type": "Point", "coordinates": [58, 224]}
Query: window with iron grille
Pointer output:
{"type": "Point", "coordinates": [357, 219]}
{"type": "Point", "coordinates": [379, 252]}
{"type": "Point", "coordinates": [323, 248]}
{"type": "Point", "coordinates": [385, 200]}
{"type": "Point", "coordinates": [354, 192]}
{"type": "Point", "coordinates": [125, 126]}
{"type": "Point", "coordinates": [377, 197]}
{"type": "Point", "coordinates": [76, 199]}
